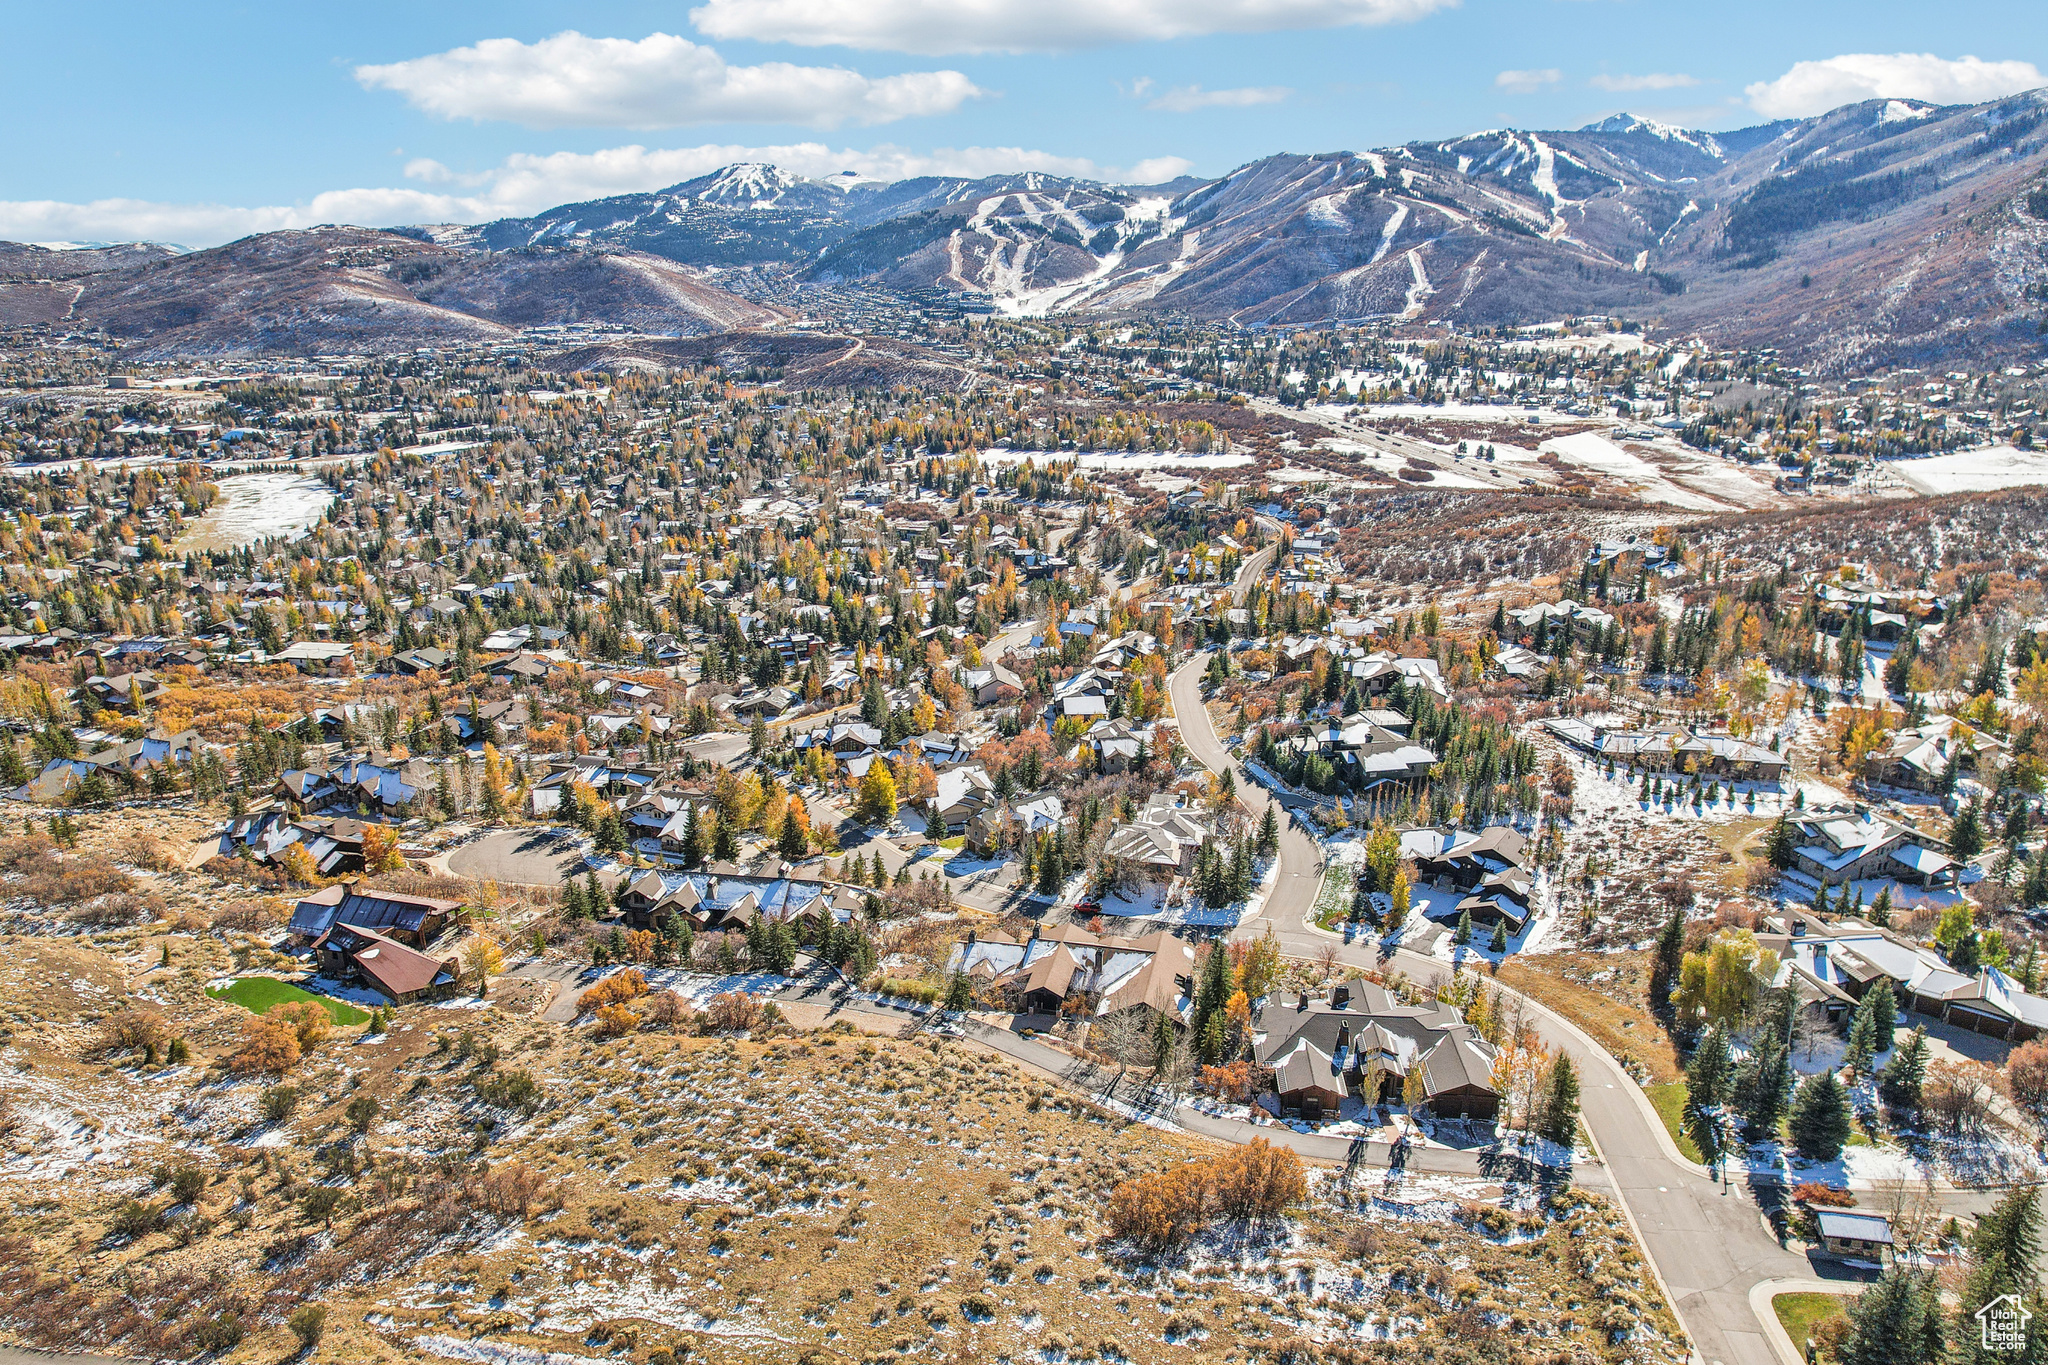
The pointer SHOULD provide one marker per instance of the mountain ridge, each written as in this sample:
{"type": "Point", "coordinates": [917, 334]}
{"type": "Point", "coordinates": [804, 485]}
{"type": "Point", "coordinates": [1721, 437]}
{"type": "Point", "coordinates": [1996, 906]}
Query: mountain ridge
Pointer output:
{"type": "Point", "coordinates": [1882, 232]}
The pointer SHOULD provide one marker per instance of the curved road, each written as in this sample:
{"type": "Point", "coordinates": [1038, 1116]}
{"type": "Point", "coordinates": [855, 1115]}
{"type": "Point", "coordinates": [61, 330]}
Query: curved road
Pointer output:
{"type": "Point", "coordinates": [1708, 1245]}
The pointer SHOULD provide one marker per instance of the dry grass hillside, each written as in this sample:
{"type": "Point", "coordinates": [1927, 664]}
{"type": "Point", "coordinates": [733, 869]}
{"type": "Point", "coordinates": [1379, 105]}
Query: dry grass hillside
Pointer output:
{"type": "Point", "coordinates": [478, 1185]}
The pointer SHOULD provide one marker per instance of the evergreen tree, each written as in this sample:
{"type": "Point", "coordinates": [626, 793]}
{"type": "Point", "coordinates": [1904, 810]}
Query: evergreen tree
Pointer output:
{"type": "Point", "coordinates": [1213, 992]}
{"type": "Point", "coordinates": [1966, 833]}
{"type": "Point", "coordinates": [959, 992]}
{"type": "Point", "coordinates": [1782, 848]}
{"type": "Point", "coordinates": [2005, 1252]}
{"type": "Point", "coordinates": [1884, 1014]}
{"type": "Point", "coordinates": [1896, 1321]}
{"type": "Point", "coordinates": [1463, 935]}
{"type": "Point", "coordinates": [1898, 1085]}
{"type": "Point", "coordinates": [1163, 1042]}
{"type": "Point", "coordinates": [1862, 1039]}
{"type": "Point", "coordinates": [1703, 1125]}
{"type": "Point", "coordinates": [1500, 936]}
{"type": "Point", "coordinates": [1560, 1114]}
{"type": "Point", "coordinates": [693, 838]}
{"type": "Point", "coordinates": [573, 906]}
{"type": "Point", "coordinates": [792, 843]}
{"type": "Point", "coordinates": [725, 840]}
{"type": "Point", "coordinates": [1820, 1117]}
{"type": "Point", "coordinates": [1269, 832]}
{"type": "Point", "coordinates": [1707, 1074]}
{"type": "Point", "coordinates": [1760, 1085]}
{"type": "Point", "coordinates": [1670, 955]}
{"type": "Point", "coordinates": [1881, 908]}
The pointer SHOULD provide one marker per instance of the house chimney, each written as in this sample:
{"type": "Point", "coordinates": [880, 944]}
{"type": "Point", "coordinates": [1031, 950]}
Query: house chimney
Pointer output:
{"type": "Point", "coordinates": [1340, 997]}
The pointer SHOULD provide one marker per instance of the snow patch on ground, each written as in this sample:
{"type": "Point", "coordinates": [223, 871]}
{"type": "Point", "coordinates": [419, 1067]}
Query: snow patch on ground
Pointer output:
{"type": "Point", "coordinates": [1974, 471]}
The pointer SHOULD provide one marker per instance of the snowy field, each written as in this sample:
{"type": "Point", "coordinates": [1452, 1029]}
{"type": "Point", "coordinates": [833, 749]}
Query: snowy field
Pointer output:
{"type": "Point", "coordinates": [1974, 471]}
{"type": "Point", "coordinates": [253, 507]}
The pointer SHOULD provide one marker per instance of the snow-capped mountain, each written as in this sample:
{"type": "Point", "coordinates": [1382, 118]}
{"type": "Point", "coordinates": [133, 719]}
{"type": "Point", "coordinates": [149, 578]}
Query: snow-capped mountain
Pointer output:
{"type": "Point", "coordinates": [1890, 231]}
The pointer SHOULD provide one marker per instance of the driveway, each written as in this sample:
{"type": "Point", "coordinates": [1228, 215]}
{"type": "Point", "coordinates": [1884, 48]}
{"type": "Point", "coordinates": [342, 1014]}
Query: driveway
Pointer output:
{"type": "Point", "coordinates": [521, 857]}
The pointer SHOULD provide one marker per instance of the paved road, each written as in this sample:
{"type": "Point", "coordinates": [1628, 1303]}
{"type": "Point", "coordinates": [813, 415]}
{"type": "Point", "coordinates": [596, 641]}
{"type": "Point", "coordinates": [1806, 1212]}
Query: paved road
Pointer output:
{"type": "Point", "coordinates": [1709, 1244]}
{"type": "Point", "coordinates": [521, 857]}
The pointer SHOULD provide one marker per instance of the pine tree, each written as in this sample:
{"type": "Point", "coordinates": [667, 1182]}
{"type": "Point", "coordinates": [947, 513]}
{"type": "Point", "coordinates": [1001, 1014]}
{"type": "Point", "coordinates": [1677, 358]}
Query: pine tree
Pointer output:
{"type": "Point", "coordinates": [1881, 908]}
{"type": "Point", "coordinates": [693, 838]}
{"type": "Point", "coordinates": [1781, 849]}
{"type": "Point", "coordinates": [1670, 956]}
{"type": "Point", "coordinates": [1500, 936]}
{"type": "Point", "coordinates": [1820, 1117]}
{"type": "Point", "coordinates": [1898, 1085]}
{"type": "Point", "coordinates": [1760, 1085]}
{"type": "Point", "coordinates": [1707, 1074]}
{"type": "Point", "coordinates": [573, 907]}
{"type": "Point", "coordinates": [1884, 1014]}
{"type": "Point", "coordinates": [1703, 1125]}
{"type": "Point", "coordinates": [1560, 1122]}
{"type": "Point", "coordinates": [1966, 833]}
{"type": "Point", "coordinates": [1163, 1041]}
{"type": "Point", "coordinates": [1463, 935]}
{"type": "Point", "coordinates": [2005, 1252]}
{"type": "Point", "coordinates": [1214, 990]}
{"type": "Point", "coordinates": [1269, 832]}
{"type": "Point", "coordinates": [1896, 1321]}
{"type": "Point", "coordinates": [1862, 1038]}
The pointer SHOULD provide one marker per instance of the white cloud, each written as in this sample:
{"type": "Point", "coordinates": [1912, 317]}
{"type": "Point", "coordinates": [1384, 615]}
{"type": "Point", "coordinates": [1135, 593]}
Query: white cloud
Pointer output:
{"type": "Point", "coordinates": [1185, 99]}
{"type": "Point", "coordinates": [946, 26]}
{"type": "Point", "coordinates": [1655, 80]}
{"type": "Point", "coordinates": [1527, 82]}
{"type": "Point", "coordinates": [660, 81]}
{"type": "Point", "coordinates": [1815, 87]}
{"type": "Point", "coordinates": [525, 184]}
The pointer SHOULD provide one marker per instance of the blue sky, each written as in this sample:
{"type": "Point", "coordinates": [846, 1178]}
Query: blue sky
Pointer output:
{"type": "Point", "coordinates": [203, 122]}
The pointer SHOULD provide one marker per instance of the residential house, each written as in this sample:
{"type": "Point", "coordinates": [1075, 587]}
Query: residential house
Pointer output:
{"type": "Point", "coordinates": [1364, 1043]}
{"type": "Point", "coordinates": [1929, 757]}
{"type": "Point", "coordinates": [1067, 970]}
{"type": "Point", "coordinates": [1835, 963]}
{"type": "Point", "coordinates": [413, 920]}
{"type": "Point", "coordinates": [1674, 749]}
{"type": "Point", "coordinates": [1491, 865]}
{"type": "Point", "coordinates": [1845, 847]}
{"type": "Point", "coordinates": [400, 974]}
{"type": "Point", "coordinates": [1163, 839]}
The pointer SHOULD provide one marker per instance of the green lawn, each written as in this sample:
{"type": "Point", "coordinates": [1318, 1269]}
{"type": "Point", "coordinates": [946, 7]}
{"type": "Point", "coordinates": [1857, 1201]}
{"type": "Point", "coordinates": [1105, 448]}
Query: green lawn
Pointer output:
{"type": "Point", "coordinates": [258, 993]}
{"type": "Point", "coordinates": [954, 844]}
{"type": "Point", "coordinates": [1333, 899]}
{"type": "Point", "coordinates": [1670, 1104]}
{"type": "Point", "coordinates": [1799, 1314]}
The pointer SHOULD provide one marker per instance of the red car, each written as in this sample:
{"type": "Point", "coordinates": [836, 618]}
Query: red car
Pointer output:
{"type": "Point", "coordinates": [1087, 907]}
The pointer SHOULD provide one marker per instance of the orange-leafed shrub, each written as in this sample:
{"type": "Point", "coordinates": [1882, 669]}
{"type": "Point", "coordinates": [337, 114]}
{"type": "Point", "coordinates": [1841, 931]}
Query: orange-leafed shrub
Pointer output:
{"type": "Point", "coordinates": [1233, 1082]}
{"type": "Point", "coordinates": [1168, 1207]}
{"type": "Point", "coordinates": [269, 1044]}
{"type": "Point", "coordinates": [1257, 1181]}
{"type": "Point", "coordinates": [614, 1021]}
{"type": "Point", "coordinates": [1162, 1209]}
{"type": "Point", "coordinates": [613, 990]}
